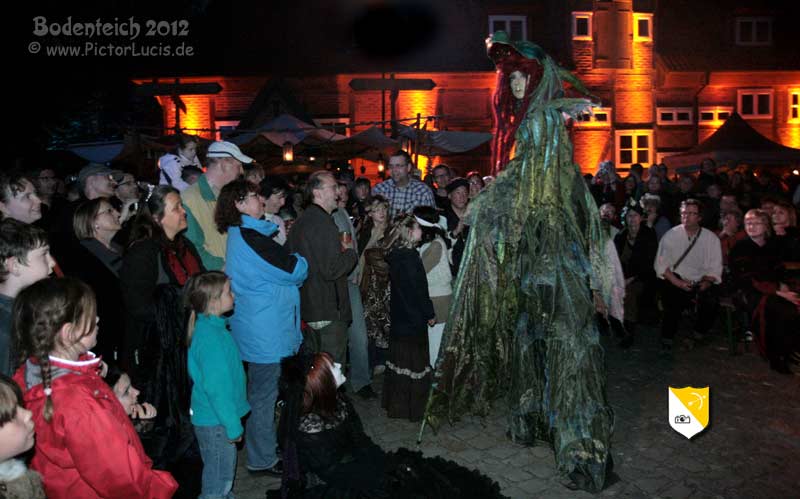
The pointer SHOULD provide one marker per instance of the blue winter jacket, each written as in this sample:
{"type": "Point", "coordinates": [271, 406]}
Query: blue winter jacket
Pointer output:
{"type": "Point", "coordinates": [266, 281]}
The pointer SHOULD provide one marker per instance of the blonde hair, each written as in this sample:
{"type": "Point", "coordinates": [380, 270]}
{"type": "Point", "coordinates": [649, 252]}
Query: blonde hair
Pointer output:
{"type": "Point", "coordinates": [198, 293]}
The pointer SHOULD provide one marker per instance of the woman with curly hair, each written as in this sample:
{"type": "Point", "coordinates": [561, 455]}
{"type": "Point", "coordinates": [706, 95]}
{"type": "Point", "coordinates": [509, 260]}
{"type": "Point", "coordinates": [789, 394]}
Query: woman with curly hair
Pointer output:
{"type": "Point", "coordinates": [374, 279]}
{"type": "Point", "coordinates": [266, 280]}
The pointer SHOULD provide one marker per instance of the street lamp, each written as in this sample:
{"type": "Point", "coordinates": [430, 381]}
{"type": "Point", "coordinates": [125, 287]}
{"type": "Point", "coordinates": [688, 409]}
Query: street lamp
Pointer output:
{"type": "Point", "coordinates": [288, 152]}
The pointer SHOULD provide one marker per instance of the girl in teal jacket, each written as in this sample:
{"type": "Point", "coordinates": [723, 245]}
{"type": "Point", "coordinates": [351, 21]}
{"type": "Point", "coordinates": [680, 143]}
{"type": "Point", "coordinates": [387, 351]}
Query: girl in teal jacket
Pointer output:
{"type": "Point", "coordinates": [219, 398]}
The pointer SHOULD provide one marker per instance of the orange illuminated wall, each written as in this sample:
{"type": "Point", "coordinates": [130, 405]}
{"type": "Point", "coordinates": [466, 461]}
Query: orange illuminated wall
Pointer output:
{"type": "Point", "coordinates": [590, 147]}
{"type": "Point", "coordinates": [197, 120]}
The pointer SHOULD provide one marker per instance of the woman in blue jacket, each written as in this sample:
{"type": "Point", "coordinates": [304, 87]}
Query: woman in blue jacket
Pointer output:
{"type": "Point", "coordinates": [266, 280]}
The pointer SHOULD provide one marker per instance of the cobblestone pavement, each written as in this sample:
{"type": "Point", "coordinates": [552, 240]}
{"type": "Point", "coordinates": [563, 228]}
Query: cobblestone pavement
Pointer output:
{"type": "Point", "coordinates": [751, 448]}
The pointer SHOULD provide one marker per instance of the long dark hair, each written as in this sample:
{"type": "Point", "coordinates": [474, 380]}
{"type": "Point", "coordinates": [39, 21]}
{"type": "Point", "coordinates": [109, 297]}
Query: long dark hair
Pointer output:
{"type": "Point", "coordinates": [146, 225]}
{"type": "Point", "coordinates": [39, 313]}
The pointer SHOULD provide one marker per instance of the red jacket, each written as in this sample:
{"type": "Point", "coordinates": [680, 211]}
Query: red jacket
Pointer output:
{"type": "Point", "coordinates": [90, 448]}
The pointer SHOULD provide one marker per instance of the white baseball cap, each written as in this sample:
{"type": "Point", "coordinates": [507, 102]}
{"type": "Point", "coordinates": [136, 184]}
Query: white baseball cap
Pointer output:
{"type": "Point", "coordinates": [222, 149]}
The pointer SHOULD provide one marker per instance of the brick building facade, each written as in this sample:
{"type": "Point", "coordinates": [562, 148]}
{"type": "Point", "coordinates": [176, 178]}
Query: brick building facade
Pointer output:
{"type": "Point", "coordinates": [667, 75]}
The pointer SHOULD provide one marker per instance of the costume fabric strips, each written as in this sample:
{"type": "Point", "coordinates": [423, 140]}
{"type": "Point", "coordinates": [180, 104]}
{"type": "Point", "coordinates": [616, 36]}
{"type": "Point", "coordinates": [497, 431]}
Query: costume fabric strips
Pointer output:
{"type": "Point", "coordinates": [521, 326]}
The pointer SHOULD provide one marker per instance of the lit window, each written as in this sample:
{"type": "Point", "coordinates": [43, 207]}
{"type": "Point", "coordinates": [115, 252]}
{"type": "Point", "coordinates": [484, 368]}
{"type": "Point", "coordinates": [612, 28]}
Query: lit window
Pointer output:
{"type": "Point", "coordinates": [714, 115]}
{"type": "Point", "coordinates": [515, 26]}
{"type": "Point", "coordinates": [753, 31]}
{"type": "Point", "coordinates": [634, 146]}
{"type": "Point", "coordinates": [336, 125]}
{"type": "Point", "coordinates": [755, 103]}
{"type": "Point", "coordinates": [600, 116]}
{"type": "Point", "coordinates": [581, 25]}
{"type": "Point", "coordinates": [794, 106]}
{"type": "Point", "coordinates": [674, 116]}
{"type": "Point", "coordinates": [643, 27]}
{"type": "Point", "coordinates": [224, 128]}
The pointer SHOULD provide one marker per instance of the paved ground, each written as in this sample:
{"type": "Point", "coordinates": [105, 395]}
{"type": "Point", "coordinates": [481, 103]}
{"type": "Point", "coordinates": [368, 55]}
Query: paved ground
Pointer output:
{"type": "Point", "coordinates": [751, 448]}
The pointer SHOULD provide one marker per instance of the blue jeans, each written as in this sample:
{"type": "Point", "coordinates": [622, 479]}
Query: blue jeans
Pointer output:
{"type": "Point", "coordinates": [357, 337]}
{"type": "Point", "coordinates": [262, 392]}
{"type": "Point", "coordinates": [219, 462]}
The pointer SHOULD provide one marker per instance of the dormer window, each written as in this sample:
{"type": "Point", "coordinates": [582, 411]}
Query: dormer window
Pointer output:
{"type": "Point", "coordinates": [581, 25]}
{"type": "Point", "coordinates": [515, 26]}
{"type": "Point", "coordinates": [753, 31]}
{"type": "Point", "coordinates": [643, 27]}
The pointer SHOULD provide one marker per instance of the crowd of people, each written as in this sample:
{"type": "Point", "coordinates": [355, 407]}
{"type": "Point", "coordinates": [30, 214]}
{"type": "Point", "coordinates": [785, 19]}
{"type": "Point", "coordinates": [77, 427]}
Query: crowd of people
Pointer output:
{"type": "Point", "coordinates": [191, 294]}
{"type": "Point", "coordinates": [686, 244]}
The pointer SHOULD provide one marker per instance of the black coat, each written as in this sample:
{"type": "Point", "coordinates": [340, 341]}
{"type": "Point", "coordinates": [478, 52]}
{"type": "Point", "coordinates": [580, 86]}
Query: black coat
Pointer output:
{"type": "Point", "coordinates": [144, 269]}
{"type": "Point", "coordinates": [645, 247]}
{"type": "Point", "coordinates": [410, 305]}
{"type": "Point", "coordinates": [324, 295]}
{"type": "Point", "coordinates": [351, 466]}
{"type": "Point", "coordinates": [106, 286]}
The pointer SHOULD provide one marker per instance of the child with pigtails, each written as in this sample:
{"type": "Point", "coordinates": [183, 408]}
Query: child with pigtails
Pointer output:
{"type": "Point", "coordinates": [86, 445]}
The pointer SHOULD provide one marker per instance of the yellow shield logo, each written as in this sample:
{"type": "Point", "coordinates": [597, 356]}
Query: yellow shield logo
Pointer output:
{"type": "Point", "coordinates": [688, 410]}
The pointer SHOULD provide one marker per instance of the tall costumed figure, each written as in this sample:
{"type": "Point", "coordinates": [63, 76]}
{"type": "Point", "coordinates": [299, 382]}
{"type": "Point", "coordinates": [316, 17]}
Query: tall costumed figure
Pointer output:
{"type": "Point", "coordinates": [522, 323]}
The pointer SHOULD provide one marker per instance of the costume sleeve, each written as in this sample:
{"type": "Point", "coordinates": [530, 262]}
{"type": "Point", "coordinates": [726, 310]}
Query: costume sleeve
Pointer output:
{"type": "Point", "coordinates": [171, 165]}
{"type": "Point", "coordinates": [194, 233]}
{"type": "Point", "coordinates": [108, 461]}
{"type": "Point", "coordinates": [215, 382]}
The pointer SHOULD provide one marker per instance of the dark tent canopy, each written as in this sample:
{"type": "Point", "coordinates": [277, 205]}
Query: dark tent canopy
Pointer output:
{"type": "Point", "coordinates": [736, 142]}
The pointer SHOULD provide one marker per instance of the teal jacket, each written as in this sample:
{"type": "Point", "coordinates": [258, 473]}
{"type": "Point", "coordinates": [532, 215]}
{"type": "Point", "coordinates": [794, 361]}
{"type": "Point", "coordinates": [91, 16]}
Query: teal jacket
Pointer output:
{"type": "Point", "coordinates": [219, 393]}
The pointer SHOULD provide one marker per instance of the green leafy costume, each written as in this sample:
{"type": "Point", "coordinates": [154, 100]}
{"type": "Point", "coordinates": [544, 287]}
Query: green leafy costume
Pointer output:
{"type": "Point", "coordinates": [521, 324]}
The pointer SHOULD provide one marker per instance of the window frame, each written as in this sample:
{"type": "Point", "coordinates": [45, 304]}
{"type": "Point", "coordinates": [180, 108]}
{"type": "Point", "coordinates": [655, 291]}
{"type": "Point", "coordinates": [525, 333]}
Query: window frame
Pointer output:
{"type": "Point", "coordinates": [713, 109]}
{"type": "Point", "coordinates": [582, 14]}
{"type": "Point", "coordinates": [636, 36]}
{"type": "Point", "coordinates": [220, 124]}
{"type": "Point", "coordinates": [674, 111]}
{"type": "Point", "coordinates": [756, 92]}
{"type": "Point", "coordinates": [507, 18]}
{"type": "Point", "coordinates": [618, 134]}
{"type": "Point", "coordinates": [794, 107]}
{"type": "Point", "coordinates": [754, 20]}
{"type": "Point", "coordinates": [593, 122]}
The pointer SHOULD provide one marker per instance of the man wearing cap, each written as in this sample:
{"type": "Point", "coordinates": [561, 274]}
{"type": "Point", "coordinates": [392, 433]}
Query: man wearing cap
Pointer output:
{"type": "Point", "coordinates": [224, 164]}
{"type": "Point", "coordinates": [403, 192]}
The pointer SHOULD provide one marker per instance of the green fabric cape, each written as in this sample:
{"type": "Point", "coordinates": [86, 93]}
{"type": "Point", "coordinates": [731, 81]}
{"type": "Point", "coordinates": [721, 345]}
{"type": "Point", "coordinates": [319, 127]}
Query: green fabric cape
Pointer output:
{"type": "Point", "coordinates": [521, 326]}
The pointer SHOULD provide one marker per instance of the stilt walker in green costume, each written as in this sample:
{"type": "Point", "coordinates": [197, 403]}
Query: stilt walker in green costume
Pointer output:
{"type": "Point", "coordinates": [534, 272]}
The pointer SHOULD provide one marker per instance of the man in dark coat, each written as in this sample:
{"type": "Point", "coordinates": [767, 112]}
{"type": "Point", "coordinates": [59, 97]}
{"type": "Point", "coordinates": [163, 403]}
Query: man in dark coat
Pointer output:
{"type": "Point", "coordinates": [324, 298]}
